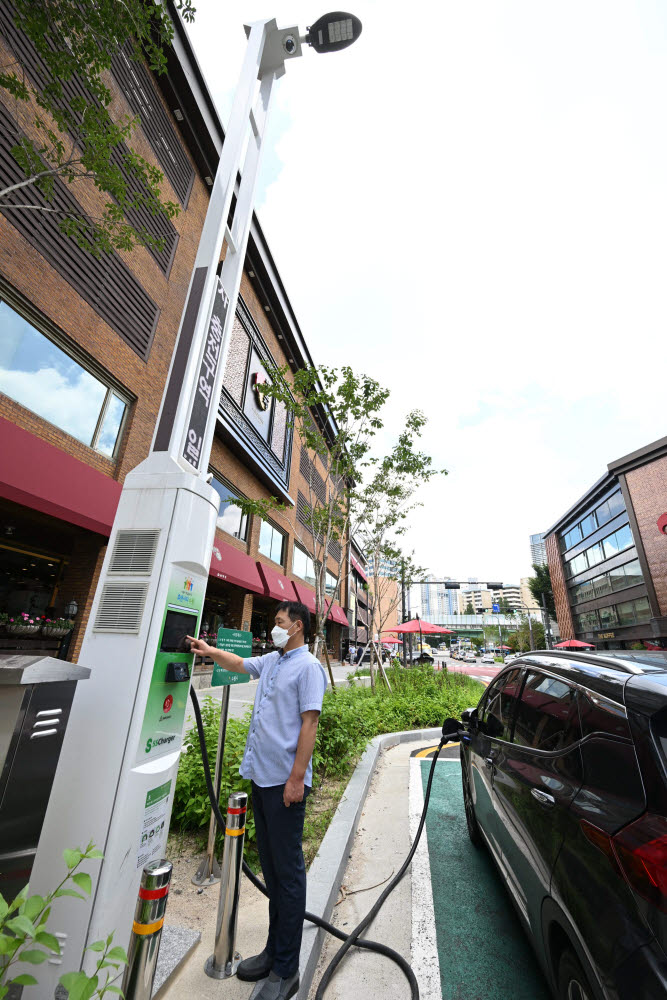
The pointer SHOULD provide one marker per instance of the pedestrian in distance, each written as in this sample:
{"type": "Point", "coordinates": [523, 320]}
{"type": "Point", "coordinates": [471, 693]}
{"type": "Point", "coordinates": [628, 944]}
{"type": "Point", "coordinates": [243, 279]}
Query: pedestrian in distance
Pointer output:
{"type": "Point", "coordinates": [278, 762]}
{"type": "Point", "coordinates": [351, 654]}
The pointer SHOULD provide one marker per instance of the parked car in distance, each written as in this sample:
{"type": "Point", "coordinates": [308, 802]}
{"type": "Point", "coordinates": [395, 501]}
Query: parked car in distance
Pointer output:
{"type": "Point", "coordinates": [510, 657]}
{"type": "Point", "coordinates": [487, 658]}
{"type": "Point", "coordinates": [470, 657]}
{"type": "Point", "coordinates": [564, 770]}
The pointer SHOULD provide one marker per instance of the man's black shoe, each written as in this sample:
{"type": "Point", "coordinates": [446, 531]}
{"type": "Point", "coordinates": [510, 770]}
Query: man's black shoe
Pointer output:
{"type": "Point", "coordinates": [275, 988]}
{"type": "Point", "coordinates": [250, 970]}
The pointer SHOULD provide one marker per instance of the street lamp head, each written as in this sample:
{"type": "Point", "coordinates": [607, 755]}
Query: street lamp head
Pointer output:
{"type": "Point", "coordinates": [334, 31]}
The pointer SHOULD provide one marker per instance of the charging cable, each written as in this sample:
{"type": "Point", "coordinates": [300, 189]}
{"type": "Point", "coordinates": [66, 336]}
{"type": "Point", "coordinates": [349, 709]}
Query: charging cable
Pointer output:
{"type": "Point", "coordinates": [352, 939]}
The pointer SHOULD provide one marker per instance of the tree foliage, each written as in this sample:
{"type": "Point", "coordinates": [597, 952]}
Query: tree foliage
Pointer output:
{"type": "Point", "coordinates": [352, 491]}
{"type": "Point", "coordinates": [76, 138]}
{"type": "Point", "coordinates": [541, 584]}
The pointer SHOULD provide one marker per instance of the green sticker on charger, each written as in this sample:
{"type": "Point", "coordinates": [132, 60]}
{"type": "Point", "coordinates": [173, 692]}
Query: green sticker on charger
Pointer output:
{"type": "Point", "coordinates": [232, 640]}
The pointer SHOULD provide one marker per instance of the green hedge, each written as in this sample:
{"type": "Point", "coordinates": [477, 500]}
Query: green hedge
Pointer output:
{"type": "Point", "coordinates": [351, 716]}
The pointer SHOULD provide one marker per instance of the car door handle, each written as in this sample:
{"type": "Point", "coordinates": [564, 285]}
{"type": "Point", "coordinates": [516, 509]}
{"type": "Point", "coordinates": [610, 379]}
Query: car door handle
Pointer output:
{"type": "Point", "coordinates": [489, 761]}
{"type": "Point", "coordinates": [543, 797]}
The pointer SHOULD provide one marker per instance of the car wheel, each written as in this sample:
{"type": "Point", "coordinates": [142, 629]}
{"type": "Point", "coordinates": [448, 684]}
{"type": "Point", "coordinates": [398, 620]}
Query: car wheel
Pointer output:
{"type": "Point", "coordinates": [469, 806]}
{"type": "Point", "coordinates": [572, 980]}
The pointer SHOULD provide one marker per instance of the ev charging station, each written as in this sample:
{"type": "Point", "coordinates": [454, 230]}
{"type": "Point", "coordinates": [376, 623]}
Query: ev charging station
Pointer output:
{"type": "Point", "coordinates": [118, 765]}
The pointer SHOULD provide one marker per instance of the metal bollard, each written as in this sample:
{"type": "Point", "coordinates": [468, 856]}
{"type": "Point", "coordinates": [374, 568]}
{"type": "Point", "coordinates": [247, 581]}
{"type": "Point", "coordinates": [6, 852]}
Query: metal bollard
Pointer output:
{"type": "Point", "coordinates": [147, 931]}
{"type": "Point", "coordinates": [224, 960]}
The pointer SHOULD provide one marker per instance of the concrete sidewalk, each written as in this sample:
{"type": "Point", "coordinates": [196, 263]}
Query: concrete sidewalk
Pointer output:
{"type": "Point", "coordinates": [374, 842]}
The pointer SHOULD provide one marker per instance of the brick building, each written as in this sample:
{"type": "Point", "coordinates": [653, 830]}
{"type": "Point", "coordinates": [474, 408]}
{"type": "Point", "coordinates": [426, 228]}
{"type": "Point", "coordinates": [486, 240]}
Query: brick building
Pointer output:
{"type": "Point", "coordinates": [85, 348]}
{"type": "Point", "coordinates": [608, 556]}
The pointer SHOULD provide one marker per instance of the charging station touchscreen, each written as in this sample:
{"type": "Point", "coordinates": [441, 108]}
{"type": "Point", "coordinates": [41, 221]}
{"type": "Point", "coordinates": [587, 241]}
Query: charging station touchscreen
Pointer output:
{"type": "Point", "coordinates": [177, 626]}
{"type": "Point", "coordinates": [170, 682]}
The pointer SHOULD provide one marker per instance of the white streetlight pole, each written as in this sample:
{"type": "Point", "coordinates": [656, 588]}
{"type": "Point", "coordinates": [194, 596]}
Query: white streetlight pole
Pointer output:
{"type": "Point", "coordinates": [117, 772]}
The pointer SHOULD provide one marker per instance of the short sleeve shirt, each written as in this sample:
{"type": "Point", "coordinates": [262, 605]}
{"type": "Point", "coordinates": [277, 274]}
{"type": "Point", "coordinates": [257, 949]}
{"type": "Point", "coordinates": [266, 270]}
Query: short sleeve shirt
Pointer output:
{"type": "Point", "coordinates": [289, 684]}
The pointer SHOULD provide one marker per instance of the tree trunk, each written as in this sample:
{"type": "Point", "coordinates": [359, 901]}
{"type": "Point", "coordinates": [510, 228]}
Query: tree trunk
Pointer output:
{"type": "Point", "coordinates": [326, 656]}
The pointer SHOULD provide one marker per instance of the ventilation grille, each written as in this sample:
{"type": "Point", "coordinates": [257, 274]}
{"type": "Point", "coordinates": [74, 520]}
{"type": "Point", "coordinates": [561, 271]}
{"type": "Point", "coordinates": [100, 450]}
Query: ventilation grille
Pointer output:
{"type": "Point", "coordinates": [157, 225]}
{"type": "Point", "coordinates": [134, 552]}
{"type": "Point", "coordinates": [121, 607]}
{"type": "Point", "coordinates": [135, 82]}
{"type": "Point", "coordinates": [107, 284]}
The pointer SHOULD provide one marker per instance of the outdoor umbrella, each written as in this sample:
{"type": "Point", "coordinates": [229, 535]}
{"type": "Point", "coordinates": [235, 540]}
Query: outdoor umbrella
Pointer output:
{"type": "Point", "coordinates": [503, 647]}
{"type": "Point", "coordinates": [417, 625]}
{"type": "Point", "coordinates": [574, 644]}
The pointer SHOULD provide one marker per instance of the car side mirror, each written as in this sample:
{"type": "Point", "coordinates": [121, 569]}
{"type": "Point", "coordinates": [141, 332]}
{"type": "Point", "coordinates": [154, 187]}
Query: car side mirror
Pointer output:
{"type": "Point", "coordinates": [469, 717]}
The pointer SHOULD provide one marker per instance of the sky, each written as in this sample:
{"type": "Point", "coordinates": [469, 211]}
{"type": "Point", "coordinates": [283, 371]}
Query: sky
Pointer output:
{"type": "Point", "coordinates": [470, 205]}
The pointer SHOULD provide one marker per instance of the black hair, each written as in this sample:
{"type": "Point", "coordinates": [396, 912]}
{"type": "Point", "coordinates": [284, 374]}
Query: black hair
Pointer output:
{"type": "Point", "coordinates": [296, 611]}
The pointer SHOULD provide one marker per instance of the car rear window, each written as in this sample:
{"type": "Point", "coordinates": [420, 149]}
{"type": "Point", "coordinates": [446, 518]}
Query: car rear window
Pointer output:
{"type": "Point", "coordinates": [547, 714]}
{"type": "Point", "coordinates": [601, 715]}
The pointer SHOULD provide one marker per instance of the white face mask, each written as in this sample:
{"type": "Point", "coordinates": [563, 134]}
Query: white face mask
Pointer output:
{"type": "Point", "coordinates": [280, 636]}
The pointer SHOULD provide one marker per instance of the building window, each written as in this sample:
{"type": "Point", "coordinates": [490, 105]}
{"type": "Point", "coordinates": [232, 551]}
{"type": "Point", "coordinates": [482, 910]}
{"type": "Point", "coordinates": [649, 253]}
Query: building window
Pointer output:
{"type": "Point", "coordinates": [331, 584]}
{"type": "Point", "coordinates": [577, 565]}
{"type": "Point", "coordinates": [619, 540]}
{"type": "Point", "coordinates": [608, 617]}
{"type": "Point", "coordinates": [302, 566]}
{"type": "Point", "coordinates": [41, 376]}
{"type": "Point", "coordinates": [570, 538]}
{"type": "Point", "coordinates": [271, 542]}
{"type": "Point", "coordinates": [620, 578]}
{"type": "Point", "coordinates": [610, 508]}
{"type": "Point", "coordinates": [230, 518]}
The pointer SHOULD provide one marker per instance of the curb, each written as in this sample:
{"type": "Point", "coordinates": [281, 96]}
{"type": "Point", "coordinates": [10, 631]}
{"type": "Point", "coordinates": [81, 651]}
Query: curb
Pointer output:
{"type": "Point", "coordinates": [326, 872]}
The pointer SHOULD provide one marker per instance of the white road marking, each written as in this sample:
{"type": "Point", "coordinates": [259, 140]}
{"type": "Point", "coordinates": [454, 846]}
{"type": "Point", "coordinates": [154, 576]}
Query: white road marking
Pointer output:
{"type": "Point", "coordinates": [425, 962]}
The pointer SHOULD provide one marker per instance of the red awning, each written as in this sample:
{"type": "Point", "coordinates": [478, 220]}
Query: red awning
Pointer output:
{"type": "Point", "coordinates": [305, 595]}
{"type": "Point", "coordinates": [36, 474]}
{"type": "Point", "coordinates": [360, 571]}
{"type": "Point", "coordinates": [338, 615]}
{"type": "Point", "coordinates": [275, 584]}
{"type": "Point", "coordinates": [228, 564]}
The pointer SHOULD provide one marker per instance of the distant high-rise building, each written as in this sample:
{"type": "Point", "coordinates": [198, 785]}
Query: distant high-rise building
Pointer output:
{"type": "Point", "coordinates": [435, 600]}
{"type": "Point", "coordinates": [479, 597]}
{"type": "Point", "coordinates": [526, 596]}
{"type": "Point", "coordinates": [538, 551]}
{"type": "Point", "coordinates": [386, 567]}
{"type": "Point", "coordinates": [510, 595]}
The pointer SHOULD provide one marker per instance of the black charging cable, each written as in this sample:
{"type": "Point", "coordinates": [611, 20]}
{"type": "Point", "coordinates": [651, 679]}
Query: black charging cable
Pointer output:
{"type": "Point", "coordinates": [352, 939]}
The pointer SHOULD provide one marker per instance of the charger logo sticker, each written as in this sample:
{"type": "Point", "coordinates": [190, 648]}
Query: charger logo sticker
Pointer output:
{"type": "Point", "coordinates": [168, 702]}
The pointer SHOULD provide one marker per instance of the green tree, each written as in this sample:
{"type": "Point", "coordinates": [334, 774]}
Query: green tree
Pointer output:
{"type": "Point", "coordinates": [541, 584]}
{"type": "Point", "coordinates": [76, 138]}
{"type": "Point", "coordinates": [336, 416]}
{"type": "Point", "coordinates": [469, 609]}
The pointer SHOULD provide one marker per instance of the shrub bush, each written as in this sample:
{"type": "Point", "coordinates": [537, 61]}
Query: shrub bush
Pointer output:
{"type": "Point", "coordinates": [420, 699]}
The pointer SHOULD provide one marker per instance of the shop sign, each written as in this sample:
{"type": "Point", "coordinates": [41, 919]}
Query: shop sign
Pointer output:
{"type": "Point", "coordinates": [232, 640]}
{"type": "Point", "coordinates": [606, 635]}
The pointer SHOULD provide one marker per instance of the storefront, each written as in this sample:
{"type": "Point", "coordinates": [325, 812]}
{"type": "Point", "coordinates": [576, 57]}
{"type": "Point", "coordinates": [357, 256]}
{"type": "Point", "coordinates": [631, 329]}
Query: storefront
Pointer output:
{"type": "Point", "coordinates": [40, 563]}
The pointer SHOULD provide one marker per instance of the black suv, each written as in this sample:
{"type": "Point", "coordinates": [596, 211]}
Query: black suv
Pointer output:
{"type": "Point", "coordinates": [564, 767]}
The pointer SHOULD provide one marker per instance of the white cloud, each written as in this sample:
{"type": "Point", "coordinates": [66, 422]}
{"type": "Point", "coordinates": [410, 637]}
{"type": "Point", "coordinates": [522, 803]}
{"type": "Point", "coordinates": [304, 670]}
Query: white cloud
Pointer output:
{"type": "Point", "coordinates": [470, 205]}
{"type": "Point", "coordinates": [72, 404]}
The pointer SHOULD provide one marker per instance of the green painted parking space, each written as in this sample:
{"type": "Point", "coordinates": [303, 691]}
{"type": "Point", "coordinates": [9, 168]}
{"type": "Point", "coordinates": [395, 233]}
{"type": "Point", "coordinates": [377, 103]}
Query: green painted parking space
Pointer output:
{"type": "Point", "coordinates": [483, 951]}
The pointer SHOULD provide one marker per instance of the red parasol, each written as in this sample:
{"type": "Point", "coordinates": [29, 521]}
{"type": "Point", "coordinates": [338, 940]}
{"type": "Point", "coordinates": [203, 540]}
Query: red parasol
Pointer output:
{"type": "Point", "coordinates": [574, 644]}
{"type": "Point", "coordinates": [417, 625]}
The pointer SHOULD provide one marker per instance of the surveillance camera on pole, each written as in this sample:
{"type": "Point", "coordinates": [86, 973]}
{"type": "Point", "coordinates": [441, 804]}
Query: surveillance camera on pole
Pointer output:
{"type": "Point", "coordinates": [117, 772]}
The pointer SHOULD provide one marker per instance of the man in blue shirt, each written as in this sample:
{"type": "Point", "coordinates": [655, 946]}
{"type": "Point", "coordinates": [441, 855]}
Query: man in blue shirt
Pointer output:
{"type": "Point", "coordinates": [278, 761]}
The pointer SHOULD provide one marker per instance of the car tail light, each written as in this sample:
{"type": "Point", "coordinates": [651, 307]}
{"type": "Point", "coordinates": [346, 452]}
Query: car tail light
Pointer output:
{"type": "Point", "coordinates": [641, 849]}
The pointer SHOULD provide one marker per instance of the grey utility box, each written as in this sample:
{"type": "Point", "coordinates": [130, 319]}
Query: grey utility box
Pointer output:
{"type": "Point", "coordinates": [36, 693]}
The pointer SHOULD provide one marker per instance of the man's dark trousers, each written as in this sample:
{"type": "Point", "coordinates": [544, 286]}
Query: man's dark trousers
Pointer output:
{"type": "Point", "coordinates": [279, 831]}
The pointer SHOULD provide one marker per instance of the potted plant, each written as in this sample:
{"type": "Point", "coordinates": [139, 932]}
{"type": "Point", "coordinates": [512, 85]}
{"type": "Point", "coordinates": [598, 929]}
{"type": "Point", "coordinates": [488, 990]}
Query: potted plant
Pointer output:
{"type": "Point", "coordinates": [4, 618]}
{"type": "Point", "coordinates": [56, 628]}
{"type": "Point", "coordinates": [23, 624]}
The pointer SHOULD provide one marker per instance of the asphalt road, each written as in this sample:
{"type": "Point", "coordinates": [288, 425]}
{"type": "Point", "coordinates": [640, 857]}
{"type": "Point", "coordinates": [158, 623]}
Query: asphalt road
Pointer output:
{"type": "Point", "coordinates": [482, 671]}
